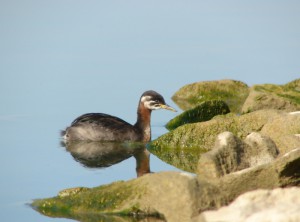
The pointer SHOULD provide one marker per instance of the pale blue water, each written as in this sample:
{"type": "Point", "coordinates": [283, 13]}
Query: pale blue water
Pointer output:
{"type": "Point", "coordinates": [34, 165]}
{"type": "Point", "coordinates": [60, 59]}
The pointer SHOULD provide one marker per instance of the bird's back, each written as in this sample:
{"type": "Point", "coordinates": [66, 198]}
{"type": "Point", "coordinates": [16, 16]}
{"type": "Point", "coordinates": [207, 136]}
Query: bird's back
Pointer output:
{"type": "Point", "coordinates": [101, 127]}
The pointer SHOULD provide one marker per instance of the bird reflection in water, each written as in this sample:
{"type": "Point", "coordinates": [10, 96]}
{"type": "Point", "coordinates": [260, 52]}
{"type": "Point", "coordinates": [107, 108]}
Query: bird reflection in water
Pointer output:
{"type": "Point", "coordinates": [105, 154]}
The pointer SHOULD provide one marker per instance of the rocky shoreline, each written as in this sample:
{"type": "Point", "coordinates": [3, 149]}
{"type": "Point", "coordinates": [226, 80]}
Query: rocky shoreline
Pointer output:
{"type": "Point", "coordinates": [230, 158]}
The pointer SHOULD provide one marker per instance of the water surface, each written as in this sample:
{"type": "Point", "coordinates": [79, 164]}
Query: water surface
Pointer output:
{"type": "Point", "coordinates": [61, 59]}
{"type": "Point", "coordinates": [34, 164]}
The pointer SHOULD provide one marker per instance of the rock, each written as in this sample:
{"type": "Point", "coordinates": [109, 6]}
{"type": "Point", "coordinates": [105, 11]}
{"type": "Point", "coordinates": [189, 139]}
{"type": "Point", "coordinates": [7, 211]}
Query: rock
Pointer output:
{"type": "Point", "coordinates": [283, 130]}
{"type": "Point", "coordinates": [278, 205]}
{"type": "Point", "coordinates": [268, 96]}
{"type": "Point", "coordinates": [71, 191]}
{"type": "Point", "coordinates": [260, 150]}
{"type": "Point", "coordinates": [282, 172]}
{"type": "Point", "coordinates": [183, 146]}
{"type": "Point", "coordinates": [231, 154]}
{"type": "Point", "coordinates": [172, 196]}
{"type": "Point", "coordinates": [203, 134]}
{"type": "Point", "coordinates": [203, 112]}
{"type": "Point", "coordinates": [243, 158]}
{"type": "Point", "coordinates": [239, 97]}
{"type": "Point", "coordinates": [224, 158]}
{"type": "Point", "coordinates": [231, 92]}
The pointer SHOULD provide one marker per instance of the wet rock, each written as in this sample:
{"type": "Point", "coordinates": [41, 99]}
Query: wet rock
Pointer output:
{"type": "Point", "coordinates": [71, 191]}
{"type": "Point", "coordinates": [203, 134]}
{"type": "Point", "coordinates": [183, 146]}
{"type": "Point", "coordinates": [278, 205]}
{"type": "Point", "coordinates": [203, 112]}
{"type": "Point", "coordinates": [231, 154]}
{"type": "Point", "coordinates": [231, 92]}
{"type": "Point", "coordinates": [185, 159]}
{"type": "Point", "coordinates": [268, 96]}
{"type": "Point", "coordinates": [172, 196]}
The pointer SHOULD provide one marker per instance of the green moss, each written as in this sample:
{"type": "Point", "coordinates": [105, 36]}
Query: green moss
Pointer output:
{"type": "Point", "coordinates": [289, 91]}
{"type": "Point", "coordinates": [183, 146]}
{"type": "Point", "coordinates": [107, 199]}
{"type": "Point", "coordinates": [184, 159]}
{"type": "Point", "coordinates": [233, 93]}
{"type": "Point", "coordinates": [203, 112]}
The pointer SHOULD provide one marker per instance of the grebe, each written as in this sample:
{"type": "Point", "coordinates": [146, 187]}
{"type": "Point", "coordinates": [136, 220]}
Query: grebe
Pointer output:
{"type": "Point", "coordinates": [104, 127]}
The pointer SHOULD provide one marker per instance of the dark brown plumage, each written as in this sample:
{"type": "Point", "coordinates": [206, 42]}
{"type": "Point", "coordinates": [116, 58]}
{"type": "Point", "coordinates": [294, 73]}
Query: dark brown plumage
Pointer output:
{"type": "Point", "coordinates": [104, 127]}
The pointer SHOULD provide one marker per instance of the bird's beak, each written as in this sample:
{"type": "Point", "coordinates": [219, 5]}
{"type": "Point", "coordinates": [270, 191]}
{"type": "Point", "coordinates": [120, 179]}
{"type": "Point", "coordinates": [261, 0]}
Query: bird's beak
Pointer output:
{"type": "Point", "coordinates": [165, 106]}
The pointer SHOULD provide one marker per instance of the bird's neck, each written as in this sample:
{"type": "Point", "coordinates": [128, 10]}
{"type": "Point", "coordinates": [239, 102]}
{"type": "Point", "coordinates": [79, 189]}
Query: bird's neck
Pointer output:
{"type": "Point", "coordinates": [143, 122]}
{"type": "Point", "coordinates": [142, 162]}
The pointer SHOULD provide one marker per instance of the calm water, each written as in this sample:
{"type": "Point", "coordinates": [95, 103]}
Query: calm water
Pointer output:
{"type": "Point", "coordinates": [60, 59]}
{"type": "Point", "coordinates": [33, 162]}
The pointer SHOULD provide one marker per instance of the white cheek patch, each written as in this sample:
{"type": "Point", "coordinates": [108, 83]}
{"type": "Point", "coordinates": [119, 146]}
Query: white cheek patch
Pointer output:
{"type": "Point", "coordinates": [147, 104]}
{"type": "Point", "coordinates": [147, 100]}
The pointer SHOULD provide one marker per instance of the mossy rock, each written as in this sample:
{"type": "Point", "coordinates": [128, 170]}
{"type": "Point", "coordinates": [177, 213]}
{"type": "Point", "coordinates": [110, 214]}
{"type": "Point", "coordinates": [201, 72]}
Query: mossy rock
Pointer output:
{"type": "Point", "coordinates": [98, 202]}
{"type": "Point", "coordinates": [161, 194]}
{"type": "Point", "coordinates": [183, 146]}
{"type": "Point", "coordinates": [184, 159]}
{"type": "Point", "coordinates": [232, 92]}
{"type": "Point", "coordinates": [203, 112]}
{"type": "Point", "coordinates": [202, 135]}
{"type": "Point", "coordinates": [268, 96]}
{"type": "Point", "coordinates": [150, 197]}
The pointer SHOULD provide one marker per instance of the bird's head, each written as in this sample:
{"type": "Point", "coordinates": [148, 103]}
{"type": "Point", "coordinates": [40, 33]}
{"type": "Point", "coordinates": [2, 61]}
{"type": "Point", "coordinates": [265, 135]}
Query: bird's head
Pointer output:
{"type": "Point", "coordinates": [153, 101]}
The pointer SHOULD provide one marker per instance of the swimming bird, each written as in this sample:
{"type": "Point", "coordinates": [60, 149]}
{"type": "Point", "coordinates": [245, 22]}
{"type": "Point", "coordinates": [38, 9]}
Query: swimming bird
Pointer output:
{"type": "Point", "coordinates": [104, 127]}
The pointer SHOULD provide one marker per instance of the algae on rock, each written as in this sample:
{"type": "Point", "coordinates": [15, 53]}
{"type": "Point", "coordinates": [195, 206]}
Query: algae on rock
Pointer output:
{"type": "Point", "coordinates": [172, 196]}
{"type": "Point", "coordinates": [174, 147]}
{"type": "Point", "coordinates": [239, 97]}
{"type": "Point", "coordinates": [202, 135]}
{"type": "Point", "coordinates": [269, 96]}
{"type": "Point", "coordinates": [203, 112]}
{"type": "Point", "coordinates": [106, 199]}
{"type": "Point", "coordinates": [232, 92]}
{"type": "Point", "coordinates": [184, 159]}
